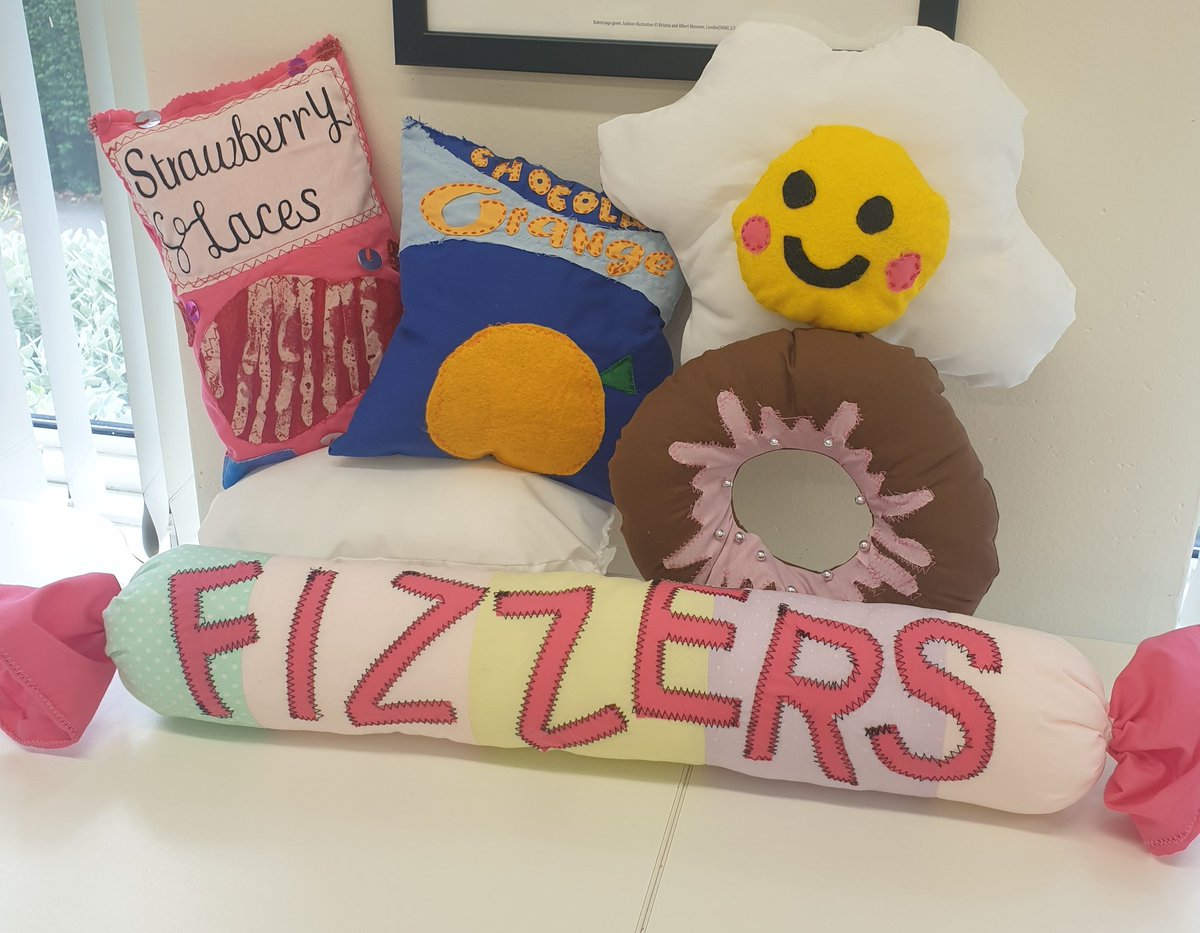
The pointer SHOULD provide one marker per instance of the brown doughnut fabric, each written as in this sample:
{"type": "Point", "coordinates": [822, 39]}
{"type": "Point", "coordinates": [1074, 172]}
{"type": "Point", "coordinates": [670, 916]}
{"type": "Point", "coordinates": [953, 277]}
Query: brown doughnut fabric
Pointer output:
{"type": "Point", "coordinates": [875, 409]}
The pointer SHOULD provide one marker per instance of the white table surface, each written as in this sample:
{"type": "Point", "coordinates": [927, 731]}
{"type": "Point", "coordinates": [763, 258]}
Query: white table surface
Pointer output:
{"type": "Point", "coordinates": [158, 825]}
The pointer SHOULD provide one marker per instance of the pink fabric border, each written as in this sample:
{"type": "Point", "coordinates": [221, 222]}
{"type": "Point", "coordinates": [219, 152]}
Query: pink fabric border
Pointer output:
{"type": "Point", "coordinates": [1155, 712]}
{"type": "Point", "coordinates": [53, 667]}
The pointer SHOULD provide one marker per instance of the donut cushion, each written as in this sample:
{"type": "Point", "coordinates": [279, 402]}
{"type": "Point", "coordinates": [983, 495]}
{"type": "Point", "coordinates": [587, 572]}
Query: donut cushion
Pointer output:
{"type": "Point", "coordinates": [875, 409]}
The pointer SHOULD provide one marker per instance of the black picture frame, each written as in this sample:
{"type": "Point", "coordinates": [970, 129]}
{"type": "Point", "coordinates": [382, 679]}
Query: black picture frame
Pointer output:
{"type": "Point", "coordinates": [417, 45]}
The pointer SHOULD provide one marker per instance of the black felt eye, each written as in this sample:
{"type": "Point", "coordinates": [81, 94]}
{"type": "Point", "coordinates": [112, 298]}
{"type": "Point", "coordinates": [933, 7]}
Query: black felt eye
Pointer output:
{"type": "Point", "coordinates": [799, 189]}
{"type": "Point", "coordinates": [875, 215]}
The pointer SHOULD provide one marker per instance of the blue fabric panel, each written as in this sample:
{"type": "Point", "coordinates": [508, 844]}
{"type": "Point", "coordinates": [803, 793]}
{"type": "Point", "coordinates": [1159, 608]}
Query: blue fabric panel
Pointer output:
{"type": "Point", "coordinates": [461, 149]}
{"type": "Point", "coordinates": [432, 159]}
{"type": "Point", "coordinates": [234, 470]}
{"type": "Point", "coordinates": [455, 288]}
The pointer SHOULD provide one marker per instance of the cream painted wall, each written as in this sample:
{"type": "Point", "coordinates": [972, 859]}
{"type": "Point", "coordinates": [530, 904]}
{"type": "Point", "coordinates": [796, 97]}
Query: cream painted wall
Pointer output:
{"type": "Point", "coordinates": [1096, 460]}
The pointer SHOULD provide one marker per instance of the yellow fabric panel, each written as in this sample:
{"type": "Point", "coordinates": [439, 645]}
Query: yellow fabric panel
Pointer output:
{"type": "Point", "coordinates": [599, 672]}
{"type": "Point", "coordinates": [523, 393]}
{"type": "Point", "coordinates": [848, 167]}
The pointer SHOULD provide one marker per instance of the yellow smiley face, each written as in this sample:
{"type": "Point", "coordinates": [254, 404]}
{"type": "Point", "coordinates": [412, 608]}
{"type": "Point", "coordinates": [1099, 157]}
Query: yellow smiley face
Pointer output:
{"type": "Point", "coordinates": [841, 231]}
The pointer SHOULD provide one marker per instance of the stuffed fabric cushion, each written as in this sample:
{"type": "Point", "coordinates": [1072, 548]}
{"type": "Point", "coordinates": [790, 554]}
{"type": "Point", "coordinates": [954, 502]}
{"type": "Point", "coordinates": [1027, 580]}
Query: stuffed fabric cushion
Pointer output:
{"type": "Point", "coordinates": [774, 108]}
{"type": "Point", "coordinates": [424, 510]}
{"type": "Point", "coordinates": [534, 318]}
{"type": "Point", "coordinates": [875, 410]}
{"type": "Point", "coordinates": [776, 685]}
{"type": "Point", "coordinates": [280, 251]}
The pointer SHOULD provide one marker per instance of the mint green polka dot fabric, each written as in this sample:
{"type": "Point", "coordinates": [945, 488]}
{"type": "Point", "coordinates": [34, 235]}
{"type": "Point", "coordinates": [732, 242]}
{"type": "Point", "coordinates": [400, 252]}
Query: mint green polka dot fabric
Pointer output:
{"type": "Point", "coordinates": [138, 623]}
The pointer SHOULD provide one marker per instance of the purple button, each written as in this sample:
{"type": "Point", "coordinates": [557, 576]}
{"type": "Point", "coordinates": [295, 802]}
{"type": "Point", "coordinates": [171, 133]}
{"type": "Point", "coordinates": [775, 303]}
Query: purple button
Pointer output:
{"type": "Point", "coordinates": [297, 66]}
{"type": "Point", "coordinates": [370, 260]}
{"type": "Point", "coordinates": [191, 311]}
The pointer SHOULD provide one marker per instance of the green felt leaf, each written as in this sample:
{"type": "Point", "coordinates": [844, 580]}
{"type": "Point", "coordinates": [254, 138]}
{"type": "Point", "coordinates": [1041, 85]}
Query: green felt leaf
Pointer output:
{"type": "Point", "coordinates": [619, 376]}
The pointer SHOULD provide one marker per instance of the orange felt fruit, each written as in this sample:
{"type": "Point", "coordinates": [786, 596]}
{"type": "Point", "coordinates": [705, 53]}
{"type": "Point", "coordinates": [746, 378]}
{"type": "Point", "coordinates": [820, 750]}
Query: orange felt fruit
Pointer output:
{"type": "Point", "coordinates": [525, 394]}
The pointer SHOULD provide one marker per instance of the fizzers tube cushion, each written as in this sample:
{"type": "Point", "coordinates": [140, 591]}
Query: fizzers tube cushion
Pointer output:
{"type": "Point", "coordinates": [280, 251]}
{"type": "Point", "coordinates": [874, 409]}
{"type": "Point", "coordinates": [773, 684]}
{"type": "Point", "coordinates": [776, 685]}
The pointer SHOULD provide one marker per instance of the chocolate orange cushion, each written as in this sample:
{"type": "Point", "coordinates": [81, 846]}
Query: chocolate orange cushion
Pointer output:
{"type": "Point", "coordinates": [875, 409]}
{"type": "Point", "coordinates": [534, 313]}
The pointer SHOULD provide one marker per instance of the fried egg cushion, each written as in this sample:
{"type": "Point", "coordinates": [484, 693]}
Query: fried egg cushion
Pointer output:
{"type": "Point", "coordinates": [534, 317]}
{"type": "Point", "coordinates": [869, 191]}
{"type": "Point", "coordinates": [259, 196]}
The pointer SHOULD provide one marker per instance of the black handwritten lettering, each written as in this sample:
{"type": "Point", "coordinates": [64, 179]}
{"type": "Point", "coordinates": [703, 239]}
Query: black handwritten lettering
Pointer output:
{"type": "Point", "coordinates": [185, 158]}
{"type": "Point", "coordinates": [209, 168]}
{"type": "Point", "coordinates": [176, 248]}
{"type": "Point", "coordinates": [140, 173]}
{"type": "Point", "coordinates": [335, 122]}
{"type": "Point", "coordinates": [241, 138]}
{"type": "Point", "coordinates": [308, 196]}
{"type": "Point", "coordinates": [299, 121]}
{"type": "Point", "coordinates": [170, 183]}
{"type": "Point", "coordinates": [264, 139]}
{"type": "Point", "coordinates": [244, 145]}
{"type": "Point", "coordinates": [267, 220]}
{"type": "Point", "coordinates": [278, 120]}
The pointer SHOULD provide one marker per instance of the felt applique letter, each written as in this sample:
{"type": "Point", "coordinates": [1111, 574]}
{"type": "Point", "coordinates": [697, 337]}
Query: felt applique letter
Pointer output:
{"type": "Point", "coordinates": [452, 600]}
{"type": "Point", "coordinates": [942, 690]}
{"type": "Point", "coordinates": [820, 703]}
{"type": "Point", "coordinates": [198, 642]}
{"type": "Point", "coordinates": [660, 625]}
{"type": "Point", "coordinates": [302, 646]}
{"type": "Point", "coordinates": [570, 610]}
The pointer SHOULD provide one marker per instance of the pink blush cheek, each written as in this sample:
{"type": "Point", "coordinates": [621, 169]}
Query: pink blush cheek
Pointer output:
{"type": "Point", "coordinates": [756, 234]}
{"type": "Point", "coordinates": [903, 272]}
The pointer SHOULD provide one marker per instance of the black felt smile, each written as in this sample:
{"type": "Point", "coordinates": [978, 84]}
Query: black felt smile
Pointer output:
{"type": "Point", "coordinates": [810, 273]}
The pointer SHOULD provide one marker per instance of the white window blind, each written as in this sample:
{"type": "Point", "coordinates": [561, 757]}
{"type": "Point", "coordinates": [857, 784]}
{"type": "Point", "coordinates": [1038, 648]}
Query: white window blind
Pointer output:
{"type": "Point", "coordinates": [31, 169]}
{"type": "Point", "coordinates": [113, 65]}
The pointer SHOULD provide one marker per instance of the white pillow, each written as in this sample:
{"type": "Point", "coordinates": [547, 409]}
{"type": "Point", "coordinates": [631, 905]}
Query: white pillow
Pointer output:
{"type": "Point", "coordinates": [475, 513]}
{"type": "Point", "coordinates": [999, 301]}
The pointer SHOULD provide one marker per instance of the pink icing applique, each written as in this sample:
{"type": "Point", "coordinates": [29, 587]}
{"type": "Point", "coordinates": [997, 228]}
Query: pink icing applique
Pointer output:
{"type": "Point", "coordinates": [732, 556]}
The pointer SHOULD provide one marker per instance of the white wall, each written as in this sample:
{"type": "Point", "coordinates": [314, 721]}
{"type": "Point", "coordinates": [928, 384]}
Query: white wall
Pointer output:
{"type": "Point", "coordinates": [1096, 460]}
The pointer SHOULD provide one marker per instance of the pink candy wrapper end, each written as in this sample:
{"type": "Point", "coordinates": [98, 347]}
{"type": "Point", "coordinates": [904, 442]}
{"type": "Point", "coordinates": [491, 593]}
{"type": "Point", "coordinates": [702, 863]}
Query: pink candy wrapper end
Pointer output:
{"type": "Point", "coordinates": [1155, 712]}
{"type": "Point", "coordinates": [53, 666]}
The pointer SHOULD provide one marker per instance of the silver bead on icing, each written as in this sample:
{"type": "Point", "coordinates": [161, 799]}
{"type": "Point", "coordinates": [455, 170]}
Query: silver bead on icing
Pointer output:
{"type": "Point", "coordinates": [761, 555]}
{"type": "Point", "coordinates": [739, 537]}
{"type": "Point", "coordinates": [726, 483]}
{"type": "Point", "coordinates": [719, 533]}
{"type": "Point", "coordinates": [826, 574]}
{"type": "Point", "coordinates": [791, 589]}
{"type": "Point", "coordinates": [828, 442]}
{"type": "Point", "coordinates": [864, 545]}
{"type": "Point", "coordinates": [860, 500]}
{"type": "Point", "coordinates": [774, 442]}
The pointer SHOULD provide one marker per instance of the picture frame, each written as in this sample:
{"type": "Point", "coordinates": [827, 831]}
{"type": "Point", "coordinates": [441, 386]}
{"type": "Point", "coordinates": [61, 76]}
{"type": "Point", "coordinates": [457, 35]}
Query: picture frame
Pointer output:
{"type": "Point", "coordinates": [417, 44]}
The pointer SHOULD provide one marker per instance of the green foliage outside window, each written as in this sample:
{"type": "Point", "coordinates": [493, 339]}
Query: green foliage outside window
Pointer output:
{"type": "Point", "coordinates": [62, 88]}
